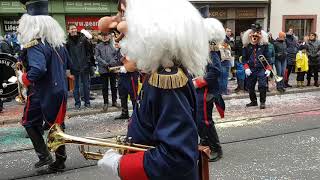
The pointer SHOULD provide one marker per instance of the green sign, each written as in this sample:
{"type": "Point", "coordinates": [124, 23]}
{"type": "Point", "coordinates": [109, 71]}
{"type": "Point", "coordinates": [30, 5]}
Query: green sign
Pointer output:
{"type": "Point", "coordinates": [11, 7]}
{"type": "Point", "coordinates": [89, 6]}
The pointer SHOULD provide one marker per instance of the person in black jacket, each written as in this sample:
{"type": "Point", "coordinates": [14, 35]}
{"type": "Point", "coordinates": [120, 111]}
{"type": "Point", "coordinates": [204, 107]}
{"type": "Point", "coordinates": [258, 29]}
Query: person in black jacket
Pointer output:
{"type": "Point", "coordinates": [292, 49]}
{"type": "Point", "coordinates": [79, 49]}
{"type": "Point", "coordinates": [314, 58]}
{"type": "Point", "coordinates": [280, 48]}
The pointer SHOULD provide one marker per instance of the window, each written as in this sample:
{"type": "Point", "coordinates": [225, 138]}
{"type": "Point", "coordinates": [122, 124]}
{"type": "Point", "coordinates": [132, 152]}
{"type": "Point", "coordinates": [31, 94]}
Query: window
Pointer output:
{"type": "Point", "coordinates": [301, 25]}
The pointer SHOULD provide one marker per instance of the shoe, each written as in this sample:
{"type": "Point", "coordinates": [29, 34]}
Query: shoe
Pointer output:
{"type": "Point", "coordinates": [77, 107]}
{"type": "Point", "coordinates": [57, 166]}
{"type": "Point", "coordinates": [45, 161]}
{"type": "Point", "coordinates": [316, 84]}
{"type": "Point", "coordinates": [87, 105]}
{"type": "Point", "coordinates": [309, 82]}
{"type": "Point", "coordinates": [251, 104]}
{"type": "Point", "coordinates": [262, 106]}
{"type": "Point", "coordinates": [105, 107]}
{"type": "Point", "coordinates": [82, 99]}
{"type": "Point", "coordinates": [122, 116]}
{"type": "Point", "coordinates": [115, 104]}
{"type": "Point", "coordinates": [215, 155]}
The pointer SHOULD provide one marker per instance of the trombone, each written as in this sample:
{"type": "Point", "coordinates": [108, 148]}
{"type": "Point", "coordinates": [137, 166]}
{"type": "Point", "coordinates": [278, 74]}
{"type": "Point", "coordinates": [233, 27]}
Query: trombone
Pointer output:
{"type": "Point", "coordinates": [263, 59]}
{"type": "Point", "coordinates": [57, 138]}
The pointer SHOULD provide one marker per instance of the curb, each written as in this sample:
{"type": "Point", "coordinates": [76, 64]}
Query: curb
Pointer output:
{"type": "Point", "coordinates": [97, 109]}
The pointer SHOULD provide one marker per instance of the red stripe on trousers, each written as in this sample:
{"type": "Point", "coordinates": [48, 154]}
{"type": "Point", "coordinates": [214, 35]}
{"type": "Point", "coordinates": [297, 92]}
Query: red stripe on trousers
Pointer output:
{"type": "Point", "coordinates": [134, 89]}
{"type": "Point", "coordinates": [205, 114]}
{"type": "Point", "coordinates": [61, 114]}
{"type": "Point", "coordinates": [26, 111]}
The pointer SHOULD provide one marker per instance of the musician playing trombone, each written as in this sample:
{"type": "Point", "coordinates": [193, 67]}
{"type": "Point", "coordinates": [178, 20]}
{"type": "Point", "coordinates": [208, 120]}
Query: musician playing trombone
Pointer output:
{"type": "Point", "coordinates": [255, 42]}
{"type": "Point", "coordinates": [46, 61]}
{"type": "Point", "coordinates": [167, 40]}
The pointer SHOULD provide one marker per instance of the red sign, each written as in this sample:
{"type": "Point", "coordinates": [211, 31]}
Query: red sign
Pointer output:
{"type": "Point", "coordinates": [82, 22]}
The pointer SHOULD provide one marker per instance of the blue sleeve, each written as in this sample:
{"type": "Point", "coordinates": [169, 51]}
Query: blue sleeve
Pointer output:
{"type": "Point", "coordinates": [245, 55]}
{"type": "Point", "coordinates": [176, 132]}
{"type": "Point", "coordinates": [213, 68]}
{"type": "Point", "coordinates": [37, 64]}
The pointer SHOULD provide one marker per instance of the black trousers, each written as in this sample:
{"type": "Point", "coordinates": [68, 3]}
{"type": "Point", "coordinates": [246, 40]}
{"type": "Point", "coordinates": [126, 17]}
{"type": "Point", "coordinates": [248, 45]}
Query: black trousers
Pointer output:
{"type": "Point", "coordinates": [290, 68]}
{"type": "Point", "coordinates": [300, 76]}
{"type": "Point", "coordinates": [105, 86]}
{"type": "Point", "coordinates": [313, 70]}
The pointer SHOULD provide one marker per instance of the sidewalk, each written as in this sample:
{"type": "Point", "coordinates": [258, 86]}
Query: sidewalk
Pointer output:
{"type": "Point", "coordinates": [13, 111]}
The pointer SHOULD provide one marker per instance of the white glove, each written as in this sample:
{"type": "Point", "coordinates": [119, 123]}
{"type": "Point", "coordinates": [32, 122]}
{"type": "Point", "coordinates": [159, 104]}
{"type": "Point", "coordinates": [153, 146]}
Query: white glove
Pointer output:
{"type": "Point", "coordinates": [110, 163]}
{"type": "Point", "coordinates": [195, 84]}
{"type": "Point", "coordinates": [20, 76]}
{"type": "Point", "coordinates": [123, 69]}
{"type": "Point", "coordinates": [268, 72]}
{"type": "Point", "coordinates": [248, 72]}
{"type": "Point", "coordinates": [86, 33]}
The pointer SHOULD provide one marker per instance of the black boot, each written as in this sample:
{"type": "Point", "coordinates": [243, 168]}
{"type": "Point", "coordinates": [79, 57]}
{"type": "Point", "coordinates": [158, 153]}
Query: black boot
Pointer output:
{"type": "Point", "coordinates": [263, 97]}
{"type": "Point", "coordinates": [214, 144]}
{"type": "Point", "coordinates": [124, 109]}
{"type": "Point", "coordinates": [316, 84]}
{"type": "Point", "coordinates": [61, 157]}
{"type": "Point", "coordinates": [309, 82]}
{"type": "Point", "coordinates": [253, 98]}
{"type": "Point", "coordinates": [39, 146]}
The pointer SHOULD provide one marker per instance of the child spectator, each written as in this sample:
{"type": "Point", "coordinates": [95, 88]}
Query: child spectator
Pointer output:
{"type": "Point", "coordinates": [301, 65]}
{"type": "Point", "coordinates": [240, 74]}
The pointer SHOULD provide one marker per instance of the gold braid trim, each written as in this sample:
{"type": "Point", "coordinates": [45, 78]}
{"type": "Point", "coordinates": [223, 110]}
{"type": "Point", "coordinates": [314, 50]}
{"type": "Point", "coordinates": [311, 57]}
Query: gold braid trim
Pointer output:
{"type": "Point", "coordinates": [31, 43]}
{"type": "Point", "coordinates": [168, 81]}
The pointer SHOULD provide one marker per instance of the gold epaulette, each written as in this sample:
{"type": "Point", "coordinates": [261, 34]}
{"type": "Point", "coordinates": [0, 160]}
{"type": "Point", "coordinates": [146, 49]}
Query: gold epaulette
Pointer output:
{"type": "Point", "coordinates": [31, 43]}
{"type": "Point", "coordinates": [168, 81]}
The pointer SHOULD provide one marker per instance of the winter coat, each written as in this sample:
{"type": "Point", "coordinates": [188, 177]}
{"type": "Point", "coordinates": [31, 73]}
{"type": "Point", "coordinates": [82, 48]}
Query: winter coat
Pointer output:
{"type": "Point", "coordinates": [314, 52]}
{"type": "Point", "coordinates": [5, 47]}
{"type": "Point", "coordinates": [80, 53]}
{"type": "Point", "coordinates": [271, 53]}
{"type": "Point", "coordinates": [280, 48]}
{"type": "Point", "coordinates": [302, 62]}
{"type": "Point", "coordinates": [292, 49]}
{"type": "Point", "coordinates": [105, 55]}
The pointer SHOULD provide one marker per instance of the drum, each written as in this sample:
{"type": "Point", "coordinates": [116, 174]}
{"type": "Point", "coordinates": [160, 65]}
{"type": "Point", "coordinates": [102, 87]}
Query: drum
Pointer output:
{"type": "Point", "coordinates": [8, 79]}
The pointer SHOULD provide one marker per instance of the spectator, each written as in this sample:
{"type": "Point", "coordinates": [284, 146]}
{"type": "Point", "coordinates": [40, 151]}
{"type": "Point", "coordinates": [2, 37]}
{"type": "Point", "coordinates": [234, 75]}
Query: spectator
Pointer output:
{"type": "Point", "coordinates": [240, 76]}
{"type": "Point", "coordinates": [280, 48]}
{"type": "Point", "coordinates": [231, 41]}
{"type": "Point", "coordinates": [301, 65]}
{"type": "Point", "coordinates": [226, 57]}
{"type": "Point", "coordinates": [5, 46]}
{"type": "Point", "coordinates": [314, 60]}
{"type": "Point", "coordinates": [105, 54]}
{"type": "Point", "coordinates": [292, 49]}
{"type": "Point", "coordinates": [78, 47]}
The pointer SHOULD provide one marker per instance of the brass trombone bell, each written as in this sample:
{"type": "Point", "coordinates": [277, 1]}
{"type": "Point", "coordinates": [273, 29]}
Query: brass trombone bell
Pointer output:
{"type": "Point", "coordinates": [262, 59]}
{"type": "Point", "coordinates": [57, 138]}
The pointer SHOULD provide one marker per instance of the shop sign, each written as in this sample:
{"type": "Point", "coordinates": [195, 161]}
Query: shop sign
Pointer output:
{"type": "Point", "coordinates": [10, 25]}
{"type": "Point", "coordinates": [246, 13]}
{"type": "Point", "coordinates": [87, 6]}
{"type": "Point", "coordinates": [218, 13]}
{"type": "Point", "coordinates": [82, 22]}
{"type": "Point", "coordinates": [11, 6]}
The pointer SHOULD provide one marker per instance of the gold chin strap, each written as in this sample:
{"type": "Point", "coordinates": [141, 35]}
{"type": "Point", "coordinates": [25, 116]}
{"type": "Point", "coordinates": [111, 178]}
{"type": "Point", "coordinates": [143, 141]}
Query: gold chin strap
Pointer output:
{"type": "Point", "coordinates": [168, 81]}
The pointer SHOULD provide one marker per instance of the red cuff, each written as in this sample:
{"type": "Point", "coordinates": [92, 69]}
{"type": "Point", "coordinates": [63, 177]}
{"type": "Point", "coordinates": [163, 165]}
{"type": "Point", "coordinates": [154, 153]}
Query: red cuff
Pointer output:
{"type": "Point", "coordinates": [132, 168]}
{"type": "Point", "coordinates": [246, 66]}
{"type": "Point", "coordinates": [25, 80]}
{"type": "Point", "coordinates": [269, 68]}
{"type": "Point", "coordinates": [201, 83]}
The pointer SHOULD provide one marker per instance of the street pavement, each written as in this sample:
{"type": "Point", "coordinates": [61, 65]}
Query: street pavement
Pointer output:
{"type": "Point", "coordinates": [280, 142]}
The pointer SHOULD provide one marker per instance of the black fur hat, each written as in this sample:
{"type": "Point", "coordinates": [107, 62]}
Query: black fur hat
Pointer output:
{"type": "Point", "coordinates": [204, 11]}
{"type": "Point", "coordinates": [36, 7]}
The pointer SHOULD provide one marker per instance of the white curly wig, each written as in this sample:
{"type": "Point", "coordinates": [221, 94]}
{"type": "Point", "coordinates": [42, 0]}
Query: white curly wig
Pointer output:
{"type": "Point", "coordinates": [40, 27]}
{"type": "Point", "coordinates": [164, 33]}
{"type": "Point", "coordinates": [246, 37]}
{"type": "Point", "coordinates": [215, 29]}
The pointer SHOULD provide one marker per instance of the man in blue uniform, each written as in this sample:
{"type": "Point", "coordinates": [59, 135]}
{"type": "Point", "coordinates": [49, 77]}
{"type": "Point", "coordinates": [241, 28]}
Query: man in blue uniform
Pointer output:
{"type": "Point", "coordinates": [208, 91]}
{"type": "Point", "coordinates": [165, 115]}
{"type": "Point", "coordinates": [46, 61]}
{"type": "Point", "coordinates": [255, 43]}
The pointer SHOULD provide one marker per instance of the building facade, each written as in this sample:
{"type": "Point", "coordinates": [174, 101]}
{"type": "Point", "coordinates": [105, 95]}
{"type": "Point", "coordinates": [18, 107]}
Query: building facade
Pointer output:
{"type": "Point", "coordinates": [301, 15]}
{"type": "Point", "coordinates": [83, 13]}
{"type": "Point", "coordinates": [238, 14]}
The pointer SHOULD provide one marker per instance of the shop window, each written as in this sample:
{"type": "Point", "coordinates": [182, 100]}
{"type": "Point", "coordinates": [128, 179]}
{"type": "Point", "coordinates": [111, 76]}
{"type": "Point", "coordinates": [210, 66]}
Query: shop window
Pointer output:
{"type": "Point", "coordinates": [301, 25]}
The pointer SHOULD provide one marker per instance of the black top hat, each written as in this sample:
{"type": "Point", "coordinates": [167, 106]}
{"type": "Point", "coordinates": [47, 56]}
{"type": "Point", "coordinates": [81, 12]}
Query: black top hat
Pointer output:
{"type": "Point", "coordinates": [204, 11]}
{"type": "Point", "coordinates": [36, 7]}
{"type": "Point", "coordinates": [256, 27]}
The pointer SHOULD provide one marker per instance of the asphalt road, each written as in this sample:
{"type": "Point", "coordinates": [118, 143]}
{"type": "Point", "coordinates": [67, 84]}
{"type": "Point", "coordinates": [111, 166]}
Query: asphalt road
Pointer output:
{"type": "Point", "coordinates": [274, 147]}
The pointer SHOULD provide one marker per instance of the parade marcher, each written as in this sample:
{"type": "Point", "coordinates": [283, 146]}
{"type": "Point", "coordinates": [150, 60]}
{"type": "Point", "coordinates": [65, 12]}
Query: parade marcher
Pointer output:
{"type": "Point", "coordinates": [280, 48]}
{"type": "Point", "coordinates": [208, 91]}
{"type": "Point", "coordinates": [314, 58]}
{"type": "Point", "coordinates": [301, 65]}
{"type": "Point", "coordinates": [46, 61]}
{"type": "Point", "coordinates": [255, 43]}
{"type": "Point", "coordinates": [292, 49]}
{"type": "Point", "coordinates": [165, 116]}
{"type": "Point", "coordinates": [79, 50]}
{"type": "Point", "coordinates": [105, 54]}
